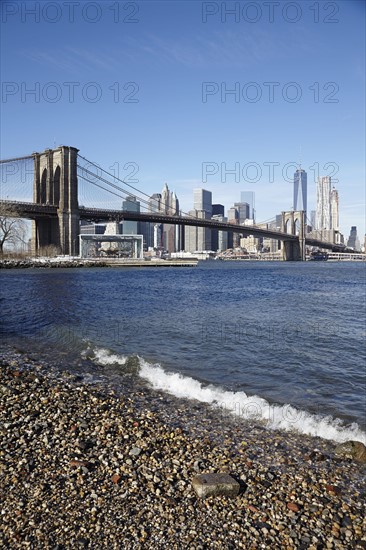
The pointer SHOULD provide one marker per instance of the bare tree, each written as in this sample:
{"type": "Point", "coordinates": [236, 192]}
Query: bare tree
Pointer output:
{"type": "Point", "coordinates": [13, 230]}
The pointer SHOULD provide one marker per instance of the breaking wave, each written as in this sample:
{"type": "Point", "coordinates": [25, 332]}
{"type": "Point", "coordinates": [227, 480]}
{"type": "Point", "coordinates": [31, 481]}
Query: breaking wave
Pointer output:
{"type": "Point", "coordinates": [255, 408]}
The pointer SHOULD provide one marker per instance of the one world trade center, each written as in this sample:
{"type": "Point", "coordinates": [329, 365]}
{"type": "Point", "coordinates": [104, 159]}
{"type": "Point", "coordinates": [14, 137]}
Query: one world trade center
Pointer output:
{"type": "Point", "coordinates": [300, 190]}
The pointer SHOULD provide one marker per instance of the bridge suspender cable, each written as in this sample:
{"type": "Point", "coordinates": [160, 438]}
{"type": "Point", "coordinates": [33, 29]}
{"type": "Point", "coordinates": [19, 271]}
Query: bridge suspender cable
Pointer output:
{"type": "Point", "coordinates": [19, 158]}
{"type": "Point", "coordinates": [121, 190]}
{"type": "Point", "coordinates": [122, 181]}
{"type": "Point", "coordinates": [116, 186]}
{"type": "Point", "coordinates": [111, 175]}
{"type": "Point", "coordinates": [100, 187]}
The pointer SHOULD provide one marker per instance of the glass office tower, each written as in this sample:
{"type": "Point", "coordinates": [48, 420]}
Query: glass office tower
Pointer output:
{"type": "Point", "coordinates": [300, 190]}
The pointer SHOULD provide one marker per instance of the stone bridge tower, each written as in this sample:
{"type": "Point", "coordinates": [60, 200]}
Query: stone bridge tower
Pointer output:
{"type": "Point", "coordinates": [293, 223]}
{"type": "Point", "coordinates": [56, 184]}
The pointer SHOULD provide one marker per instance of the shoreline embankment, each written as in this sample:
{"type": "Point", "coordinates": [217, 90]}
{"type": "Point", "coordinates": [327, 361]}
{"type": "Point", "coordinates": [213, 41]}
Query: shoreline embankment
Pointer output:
{"type": "Point", "coordinates": [45, 263]}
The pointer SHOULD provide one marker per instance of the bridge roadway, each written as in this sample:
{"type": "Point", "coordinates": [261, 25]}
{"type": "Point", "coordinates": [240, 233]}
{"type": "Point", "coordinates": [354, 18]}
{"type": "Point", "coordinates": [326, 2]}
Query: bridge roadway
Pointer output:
{"type": "Point", "coordinates": [34, 211]}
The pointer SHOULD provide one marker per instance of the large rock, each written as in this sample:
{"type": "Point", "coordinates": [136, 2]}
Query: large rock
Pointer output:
{"type": "Point", "coordinates": [352, 449]}
{"type": "Point", "coordinates": [207, 485]}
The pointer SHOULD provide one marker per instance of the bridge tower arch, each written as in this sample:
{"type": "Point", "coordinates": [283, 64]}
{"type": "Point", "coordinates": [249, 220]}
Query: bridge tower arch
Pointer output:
{"type": "Point", "coordinates": [293, 223]}
{"type": "Point", "coordinates": [55, 183]}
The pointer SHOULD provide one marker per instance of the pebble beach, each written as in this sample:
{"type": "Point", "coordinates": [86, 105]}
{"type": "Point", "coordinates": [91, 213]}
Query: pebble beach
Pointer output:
{"type": "Point", "coordinates": [85, 466]}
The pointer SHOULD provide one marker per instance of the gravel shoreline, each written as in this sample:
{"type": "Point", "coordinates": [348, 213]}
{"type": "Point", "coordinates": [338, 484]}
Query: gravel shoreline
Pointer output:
{"type": "Point", "coordinates": [85, 467]}
{"type": "Point", "coordinates": [48, 263]}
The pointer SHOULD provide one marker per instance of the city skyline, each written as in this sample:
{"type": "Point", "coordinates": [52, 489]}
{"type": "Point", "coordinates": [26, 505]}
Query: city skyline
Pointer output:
{"type": "Point", "coordinates": [327, 203]}
{"type": "Point", "coordinates": [327, 214]}
{"type": "Point", "coordinates": [227, 104]}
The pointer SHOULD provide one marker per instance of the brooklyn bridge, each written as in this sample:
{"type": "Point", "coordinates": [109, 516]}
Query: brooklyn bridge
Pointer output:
{"type": "Point", "coordinates": [52, 201]}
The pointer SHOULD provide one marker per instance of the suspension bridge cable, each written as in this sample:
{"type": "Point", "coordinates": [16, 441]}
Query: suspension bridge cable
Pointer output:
{"type": "Point", "coordinates": [110, 184]}
{"type": "Point", "coordinates": [87, 193]}
{"type": "Point", "coordinates": [105, 181]}
{"type": "Point", "coordinates": [269, 220]}
{"type": "Point", "coordinates": [113, 176]}
{"type": "Point", "coordinates": [16, 179]}
{"type": "Point", "coordinates": [125, 183]}
{"type": "Point", "coordinates": [18, 158]}
{"type": "Point", "coordinates": [100, 187]}
{"type": "Point", "coordinates": [132, 187]}
{"type": "Point", "coordinates": [316, 231]}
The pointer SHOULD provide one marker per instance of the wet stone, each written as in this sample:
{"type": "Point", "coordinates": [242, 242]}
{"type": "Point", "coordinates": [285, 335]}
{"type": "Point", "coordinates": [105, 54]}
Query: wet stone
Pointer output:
{"type": "Point", "coordinates": [293, 507]}
{"type": "Point", "coordinates": [116, 478]}
{"type": "Point", "coordinates": [135, 451]}
{"type": "Point", "coordinates": [352, 449]}
{"type": "Point", "coordinates": [206, 485]}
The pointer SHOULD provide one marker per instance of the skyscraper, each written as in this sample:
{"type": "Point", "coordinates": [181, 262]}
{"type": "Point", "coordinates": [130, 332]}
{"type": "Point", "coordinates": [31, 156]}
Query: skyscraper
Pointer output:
{"type": "Point", "coordinates": [170, 206]}
{"type": "Point", "coordinates": [249, 198]}
{"type": "Point", "coordinates": [218, 210]}
{"type": "Point", "coordinates": [153, 234]}
{"type": "Point", "coordinates": [199, 238]}
{"type": "Point", "coordinates": [154, 202]}
{"type": "Point", "coordinates": [131, 204]}
{"type": "Point", "coordinates": [169, 203]}
{"type": "Point", "coordinates": [218, 238]}
{"type": "Point", "coordinates": [353, 240]}
{"type": "Point", "coordinates": [323, 219]}
{"type": "Point", "coordinates": [300, 190]}
{"type": "Point", "coordinates": [202, 200]}
{"type": "Point", "coordinates": [313, 219]}
{"type": "Point", "coordinates": [167, 236]}
{"type": "Point", "coordinates": [243, 211]}
{"type": "Point", "coordinates": [233, 217]}
{"type": "Point", "coordinates": [334, 209]}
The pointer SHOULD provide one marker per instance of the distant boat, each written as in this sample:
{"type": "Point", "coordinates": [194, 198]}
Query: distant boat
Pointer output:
{"type": "Point", "coordinates": [318, 256]}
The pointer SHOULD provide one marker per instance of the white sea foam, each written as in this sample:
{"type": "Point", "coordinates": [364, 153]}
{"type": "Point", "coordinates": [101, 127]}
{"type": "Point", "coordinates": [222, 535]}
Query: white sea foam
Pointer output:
{"type": "Point", "coordinates": [103, 356]}
{"type": "Point", "coordinates": [278, 417]}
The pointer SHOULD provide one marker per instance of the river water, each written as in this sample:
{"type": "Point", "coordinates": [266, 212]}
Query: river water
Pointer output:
{"type": "Point", "coordinates": [281, 344]}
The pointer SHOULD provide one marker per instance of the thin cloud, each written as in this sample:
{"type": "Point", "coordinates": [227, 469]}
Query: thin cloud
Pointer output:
{"type": "Point", "coordinates": [219, 48]}
{"type": "Point", "coordinates": [223, 48]}
{"type": "Point", "coordinates": [72, 59]}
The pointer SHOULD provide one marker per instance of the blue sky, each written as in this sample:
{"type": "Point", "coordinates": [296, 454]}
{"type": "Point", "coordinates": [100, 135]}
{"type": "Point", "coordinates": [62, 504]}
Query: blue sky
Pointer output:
{"type": "Point", "coordinates": [147, 84]}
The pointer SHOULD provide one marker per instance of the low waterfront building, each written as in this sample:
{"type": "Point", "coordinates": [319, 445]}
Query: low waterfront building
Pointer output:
{"type": "Point", "coordinates": [111, 246]}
